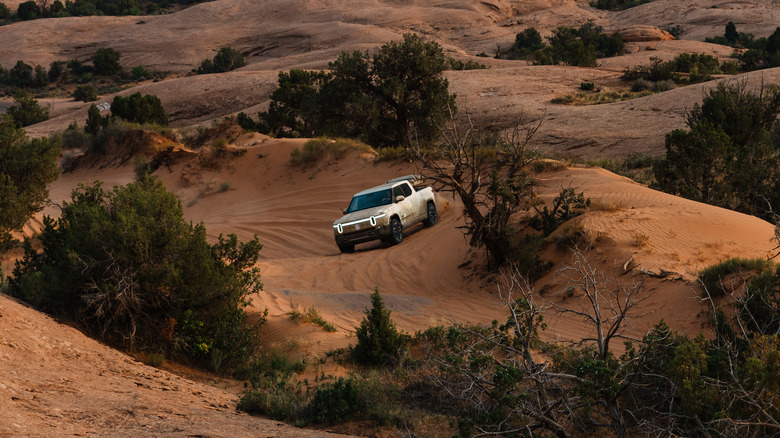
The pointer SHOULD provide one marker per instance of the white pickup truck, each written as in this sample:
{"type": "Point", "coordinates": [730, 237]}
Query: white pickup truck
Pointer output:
{"type": "Point", "coordinates": [383, 212]}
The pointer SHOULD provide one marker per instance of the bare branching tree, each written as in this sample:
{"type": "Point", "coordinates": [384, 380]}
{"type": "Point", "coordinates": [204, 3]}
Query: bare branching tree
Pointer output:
{"type": "Point", "coordinates": [500, 373]}
{"type": "Point", "coordinates": [489, 173]}
{"type": "Point", "coordinates": [606, 304]}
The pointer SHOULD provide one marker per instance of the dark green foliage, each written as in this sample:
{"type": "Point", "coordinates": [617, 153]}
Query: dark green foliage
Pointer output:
{"type": "Point", "coordinates": [28, 10]}
{"type": "Point", "coordinates": [41, 77]}
{"type": "Point", "coordinates": [26, 110]}
{"type": "Point", "coordinates": [86, 93]}
{"type": "Point", "coordinates": [77, 8]}
{"type": "Point", "coordinates": [567, 205]}
{"type": "Point", "coordinates": [378, 341]}
{"type": "Point", "coordinates": [336, 402]}
{"type": "Point", "coordinates": [566, 48]}
{"type": "Point", "coordinates": [530, 39]}
{"type": "Point", "coordinates": [5, 13]}
{"type": "Point", "coordinates": [21, 75]}
{"type": "Point", "coordinates": [699, 68]}
{"type": "Point", "coordinates": [731, 33]}
{"type": "Point", "coordinates": [526, 43]}
{"type": "Point", "coordinates": [106, 61]}
{"type": "Point", "coordinates": [456, 64]}
{"type": "Point", "coordinates": [712, 277]}
{"type": "Point", "coordinates": [617, 4]}
{"type": "Point", "coordinates": [295, 109]}
{"type": "Point", "coordinates": [140, 72]}
{"type": "Point", "coordinates": [139, 109]}
{"type": "Point", "coordinates": [761, 52]}
{"type": "Point", "coordinates": [759, 308]}
{"type": "Point", "coordinates": [226, 59]}
{"type": "Point", "coordinates": [587, 86]}
{"type": "Point", "coordinates": [246, 122]}
{"type": "Point", "coordinates": [727, 157]}
{"type": "Point", "coordinates": [27, 167]}
{"type": "Point", "coordinates": [395, 99]}
{"type": "Point", "coordinates": [676, 31]}
{"type": "Point", "coordinates": [578, 47]}
{"type": "Point", "coordinates": [128, 267]}
{"type": "Point", "coordinates": [95, 122]}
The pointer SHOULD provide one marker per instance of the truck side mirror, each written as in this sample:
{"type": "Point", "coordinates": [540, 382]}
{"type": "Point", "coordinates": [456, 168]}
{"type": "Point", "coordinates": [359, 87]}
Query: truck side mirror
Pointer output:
{"type": "Point", "coordinates": [344, 211]}
{"type": "Point", "coordinates": [399, 198]}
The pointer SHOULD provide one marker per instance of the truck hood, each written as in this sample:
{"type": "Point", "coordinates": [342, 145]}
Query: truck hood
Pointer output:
{"type": "Point", "coordinates": [361, 214]}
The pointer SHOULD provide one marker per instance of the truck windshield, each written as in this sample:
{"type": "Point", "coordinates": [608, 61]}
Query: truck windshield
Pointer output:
{"type": "Point", "coordinates": [370, 200]}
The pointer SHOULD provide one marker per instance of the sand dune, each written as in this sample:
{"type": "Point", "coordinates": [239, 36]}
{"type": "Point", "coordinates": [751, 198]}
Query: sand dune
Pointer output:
{"type": "Point", "coordinates": [291, 209]}
{"type": "Point", "coordinates": [58, 381]}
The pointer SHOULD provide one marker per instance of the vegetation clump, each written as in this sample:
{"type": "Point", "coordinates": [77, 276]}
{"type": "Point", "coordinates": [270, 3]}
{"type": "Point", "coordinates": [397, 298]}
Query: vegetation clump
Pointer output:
{"type": "Point", "coordinates": [26, 110]}
{"type": "Point", "coordinates": [28, 167]}
{"type": "Point", "coordinates": [761, 52]}
{"type": "Point", "coordinates": [379, 343]}
{"type": "Point", "coordinates": [32, 10]}
{"type": "Point", "coordinates": [728, 156]}
{"type": "Point", "coordinates": [392, 98]}
{"type": "Point", "coordinates": [132, 271]}
{"type": "Point", "coordinates": [684, 68]}
{"type": "Point", "coordinates": [617, 5]}
{"type": "Point", "coordinates": [137, 108]}
{"type": "Point", "coordinates": [568, 46]}
{"type": "Point", "coordinates": [225, 60]}
{"type": "Point", "coordinates": [314, 149]}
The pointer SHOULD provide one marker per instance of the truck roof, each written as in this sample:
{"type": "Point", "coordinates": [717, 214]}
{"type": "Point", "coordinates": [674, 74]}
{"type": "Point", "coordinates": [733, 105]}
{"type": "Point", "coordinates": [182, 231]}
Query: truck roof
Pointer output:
{"type": "Point", "coordinates": [387, 185]}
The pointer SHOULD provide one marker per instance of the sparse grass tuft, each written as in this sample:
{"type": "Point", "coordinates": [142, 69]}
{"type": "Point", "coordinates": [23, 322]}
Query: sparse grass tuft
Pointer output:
{"type": "Point", "coordinates": [311, 316]}
{"type": "Point", "coordinates": [155, 359]}
{"type": "Point", "coordinates": [603, 96]}
{"type": "Point", "coordinates": [314, 149]}
{"type": "Point", "coordinates": [607, 205]}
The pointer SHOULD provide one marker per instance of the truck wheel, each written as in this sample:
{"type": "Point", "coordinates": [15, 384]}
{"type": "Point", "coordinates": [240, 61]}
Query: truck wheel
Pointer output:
{"type": "Point", "coordinates": [347, 248]}
{"type": "Point", "coordinates": [433, 215]}
{"type": "Point", "coordinates": [396, 231]}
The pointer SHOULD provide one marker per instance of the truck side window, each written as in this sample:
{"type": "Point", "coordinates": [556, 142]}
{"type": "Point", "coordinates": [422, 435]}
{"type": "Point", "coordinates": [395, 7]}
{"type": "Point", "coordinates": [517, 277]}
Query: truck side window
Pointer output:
{"type": "Point", "coordinates": [407, 191]}
{"type": "Point", "coordinates": [397, 192]}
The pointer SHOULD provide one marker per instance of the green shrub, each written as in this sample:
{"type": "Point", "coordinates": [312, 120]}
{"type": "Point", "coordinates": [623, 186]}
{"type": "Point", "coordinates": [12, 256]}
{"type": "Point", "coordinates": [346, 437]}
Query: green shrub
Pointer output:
{"type": "Point", "coordinates": [5, 13]}
{"type": "Point", "coordinates": [378, 341]}
{"type": "Point", "coordinates": [728, 157]}
{"type": "Point", "coordinates": [28, 167]}
{"type": "Point", "coordinates": [135, 108]}
{"type": "Point", "coordinates": [86, 93]}
{"type": "Point", "coordinates": [567, 205]}
{"type": "Point", "coordinates": [26, 110]}
{"type": "Point", "coordinates": [587, 86]}
{"type": "Point", "coordinates": [336, 402]}
{"type": "Point", "coordinates": [131, 270]}
{"type": "Point", "coordinates": [106, 61]}
{"type": "Point", "coordinates": [456, 64]}
{"type": "Point", "coordinates": [225, 60]}
{"type": "Point", "coordinates": [712, 277]}
{"type": "Point", "coordinates": [140, 72]}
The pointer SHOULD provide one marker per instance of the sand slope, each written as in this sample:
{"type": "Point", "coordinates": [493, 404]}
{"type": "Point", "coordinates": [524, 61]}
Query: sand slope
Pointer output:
{"type": "Point", "coordinates": [55, 382]}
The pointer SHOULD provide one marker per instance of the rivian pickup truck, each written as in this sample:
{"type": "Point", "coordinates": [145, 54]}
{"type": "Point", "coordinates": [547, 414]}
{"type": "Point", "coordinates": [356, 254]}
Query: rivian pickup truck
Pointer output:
{"type": "Point", "coordinates": [383, 212]}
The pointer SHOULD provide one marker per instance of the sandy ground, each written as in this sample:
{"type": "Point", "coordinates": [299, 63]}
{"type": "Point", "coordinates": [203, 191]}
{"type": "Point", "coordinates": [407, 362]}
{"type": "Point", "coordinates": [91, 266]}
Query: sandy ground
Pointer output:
{"type": "Point", "coordinates": [55, 381]}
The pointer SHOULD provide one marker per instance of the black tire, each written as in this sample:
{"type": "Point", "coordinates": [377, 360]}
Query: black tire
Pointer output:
{"type": "Point", "coordinates": [433, 215]}
{"type": "Point", "coordinates": [396, 232]}
{"type": "Point", "coordinates": [345, 249]}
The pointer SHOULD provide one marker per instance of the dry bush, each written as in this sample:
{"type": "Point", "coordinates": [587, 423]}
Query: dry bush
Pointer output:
{"type": "Point", "coordinates": [607, 205]}
{"type": "Point", "coordinates": [641, 240]}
